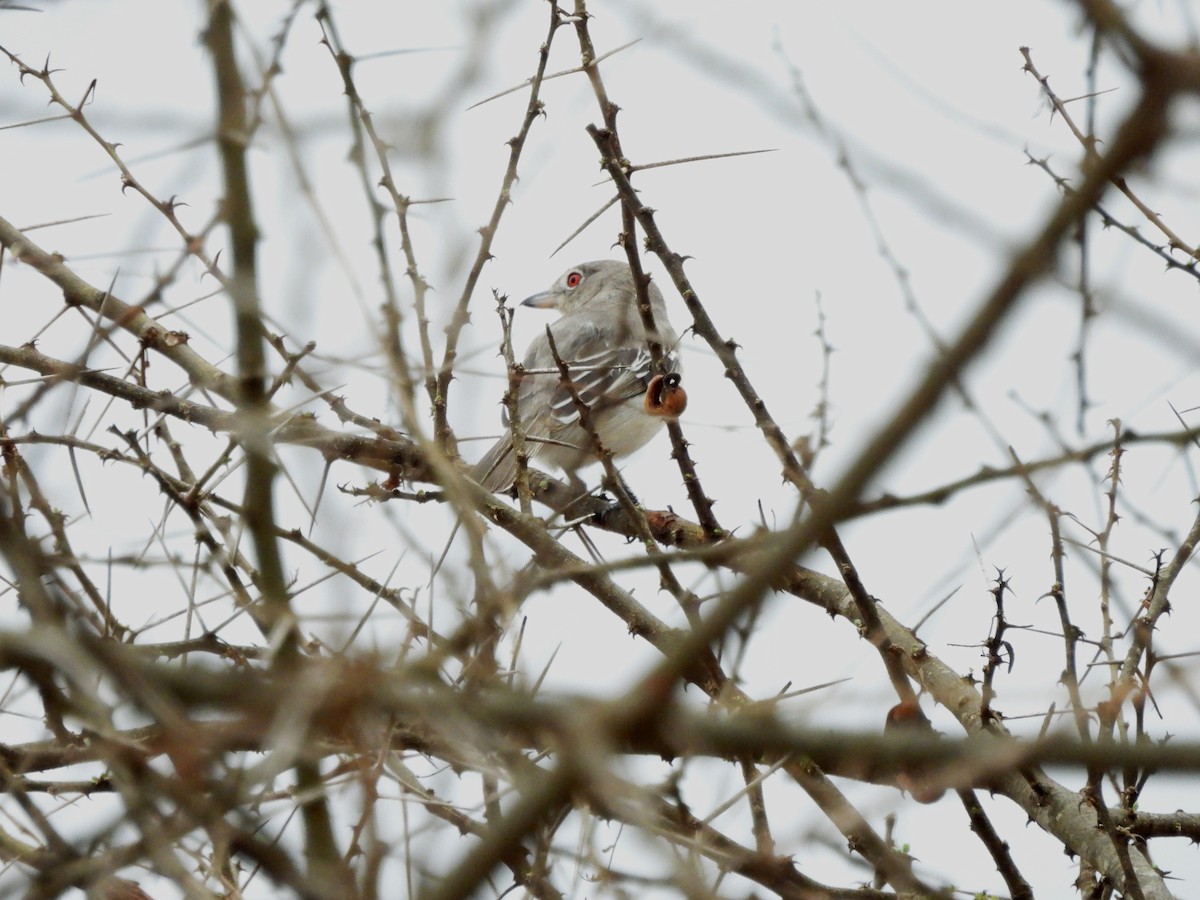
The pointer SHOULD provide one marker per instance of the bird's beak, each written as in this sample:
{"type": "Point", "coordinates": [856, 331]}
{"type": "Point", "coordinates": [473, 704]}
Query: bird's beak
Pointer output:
{"type": "Point", "coordinates": [544, 300]}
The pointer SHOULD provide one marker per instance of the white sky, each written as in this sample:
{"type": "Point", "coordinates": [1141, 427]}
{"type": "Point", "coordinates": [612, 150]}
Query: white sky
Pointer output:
{"type": "Point", "coordinates": [934, 112]}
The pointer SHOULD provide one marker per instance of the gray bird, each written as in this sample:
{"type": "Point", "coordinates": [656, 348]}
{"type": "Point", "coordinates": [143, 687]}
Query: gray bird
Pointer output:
{"type": "Point", "coordinates": [600, 336]}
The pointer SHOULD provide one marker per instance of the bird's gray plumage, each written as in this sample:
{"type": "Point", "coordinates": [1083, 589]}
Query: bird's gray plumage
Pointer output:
{"type": "Point", "coordinates": [601, 337]}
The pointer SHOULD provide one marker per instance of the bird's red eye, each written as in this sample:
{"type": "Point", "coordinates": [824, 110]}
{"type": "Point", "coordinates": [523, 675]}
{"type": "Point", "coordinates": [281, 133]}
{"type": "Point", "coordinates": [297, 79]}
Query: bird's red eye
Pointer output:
{"type": "Point", "coordinates": [573, 279]}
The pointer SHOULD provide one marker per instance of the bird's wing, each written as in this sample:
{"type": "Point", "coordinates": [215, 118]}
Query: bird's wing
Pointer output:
{"type": "Point", "coordinates": [547, 409]}
{"type": "Point", "coordinates": [602, 374]}
{"type": "Point", "coordinates": [602, 380]}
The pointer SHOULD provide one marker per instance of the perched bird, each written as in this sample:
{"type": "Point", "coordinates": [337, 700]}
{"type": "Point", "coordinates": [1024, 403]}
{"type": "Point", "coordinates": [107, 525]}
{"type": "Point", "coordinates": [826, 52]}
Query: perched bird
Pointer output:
{"type": "Point", "coordinates": [601, 338]}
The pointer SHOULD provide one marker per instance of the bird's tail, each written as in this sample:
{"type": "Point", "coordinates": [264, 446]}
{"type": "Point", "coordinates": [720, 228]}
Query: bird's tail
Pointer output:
{"type": "Point", "coordinates": [497, 470]}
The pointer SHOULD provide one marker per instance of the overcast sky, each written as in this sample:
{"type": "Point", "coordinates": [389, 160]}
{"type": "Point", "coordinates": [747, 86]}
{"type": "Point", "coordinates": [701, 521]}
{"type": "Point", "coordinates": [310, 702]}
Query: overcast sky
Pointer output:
{"type": "Point", "coordinates": [926, 107]}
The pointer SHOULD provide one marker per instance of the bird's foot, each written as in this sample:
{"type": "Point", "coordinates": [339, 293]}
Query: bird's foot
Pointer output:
{"type": "Point", "coordinates": [607, 484]}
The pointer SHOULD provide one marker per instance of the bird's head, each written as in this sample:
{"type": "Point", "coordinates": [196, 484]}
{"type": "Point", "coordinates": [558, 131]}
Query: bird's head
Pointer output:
{"type": "Point", "coordinates": [581, 285]}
